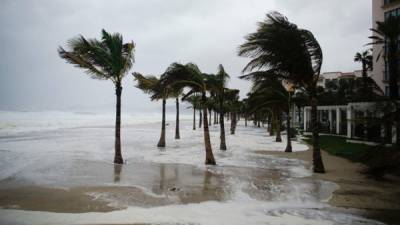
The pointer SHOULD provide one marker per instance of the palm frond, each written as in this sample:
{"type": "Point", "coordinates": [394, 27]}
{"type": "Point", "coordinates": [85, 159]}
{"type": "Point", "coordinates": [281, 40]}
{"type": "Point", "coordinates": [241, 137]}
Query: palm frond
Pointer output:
{"type": "Point", "coordinates": [109, 58]}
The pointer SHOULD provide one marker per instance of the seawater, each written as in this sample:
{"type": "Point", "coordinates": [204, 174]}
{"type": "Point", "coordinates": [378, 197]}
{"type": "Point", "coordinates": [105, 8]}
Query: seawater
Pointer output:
{"type": "Point", "coordinates": [66, 149]}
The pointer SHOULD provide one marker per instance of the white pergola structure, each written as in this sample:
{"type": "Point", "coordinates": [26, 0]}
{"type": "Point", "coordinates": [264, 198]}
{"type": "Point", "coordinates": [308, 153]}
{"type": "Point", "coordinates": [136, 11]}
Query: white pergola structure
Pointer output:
{"type": "Point", "coordinates": [334, 117]}
{"type": "Point", "coordinates": [341, 119]}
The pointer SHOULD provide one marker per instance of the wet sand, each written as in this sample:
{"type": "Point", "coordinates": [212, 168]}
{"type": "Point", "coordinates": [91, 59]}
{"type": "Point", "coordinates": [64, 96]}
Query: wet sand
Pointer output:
{"type": "Point", "coordinates": [381, 199]}
{"type": "Point", "coordinates": [45, 182]}
{"type": "Point", "coordinates": [169, 184]}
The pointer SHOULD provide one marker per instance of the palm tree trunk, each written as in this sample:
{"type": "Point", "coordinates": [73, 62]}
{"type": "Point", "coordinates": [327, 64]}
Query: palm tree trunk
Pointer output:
{"type": "Point", "coordinates": [317, 159]}
{"type": "Point", "coordinates": [117, 172]}
{"type": "Point", "coordinates": [222, 145]}
{"type": "Point", "coordinates": [194, 118]}
{"type": "Point", "coordinates": [209, 122]}
{"type": "Point", "coordinates": [215, 117]}
{"type": "Point", "coordinates": [118, 155]}
{"type": "Point", "coordinates": [245, 120]}
{"type": "Point", "coordinates": [233, 123]}
{"type": "Point", "coordinates": [289, 142]}
{"type": "Point", "coordinates": [278, 127]}
{"type": "Point", "coordinates": [161, 142]}
{"type": "Point", "coordinates": [177, 134]}
{"type": "Point", "coordinates": [271, 126]}
{"type": "Point", "coordinates": [200, 118]}
{"type": "Point", "coordinates": [207, 142]}
{"type": "Point", "coordinates": [299, 114]}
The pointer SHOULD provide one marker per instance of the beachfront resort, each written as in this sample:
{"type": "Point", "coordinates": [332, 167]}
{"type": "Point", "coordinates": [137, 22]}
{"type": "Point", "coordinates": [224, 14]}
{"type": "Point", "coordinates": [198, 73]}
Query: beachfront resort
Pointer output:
{"type": "Point", "coordinates": [205, 113]}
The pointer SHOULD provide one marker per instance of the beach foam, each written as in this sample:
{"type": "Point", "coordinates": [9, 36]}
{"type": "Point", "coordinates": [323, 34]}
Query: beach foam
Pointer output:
{"type": "Point", "coordinates": [72, 150]}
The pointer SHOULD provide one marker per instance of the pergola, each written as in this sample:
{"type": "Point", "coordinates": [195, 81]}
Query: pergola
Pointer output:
{"type": "Point", "coordinates": [346, 120]}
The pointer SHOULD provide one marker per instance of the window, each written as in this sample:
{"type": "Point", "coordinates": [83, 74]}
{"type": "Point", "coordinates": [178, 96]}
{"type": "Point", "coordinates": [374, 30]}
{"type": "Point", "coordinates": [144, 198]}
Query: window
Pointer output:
{"type": "Point", "coordinates": [394, 12]}
{"type": "Point", "coordinates": [385, 2]}
{"type": "Point", "coordinates": [387, 91]}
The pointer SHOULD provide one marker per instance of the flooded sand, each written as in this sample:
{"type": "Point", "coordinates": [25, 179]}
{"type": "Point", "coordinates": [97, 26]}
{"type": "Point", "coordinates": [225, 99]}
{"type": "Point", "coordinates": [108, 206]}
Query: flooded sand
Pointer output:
{"type": "Point", "coordinates": [358, 194]}
{"type": "Point", "coordinates": [108, 188]}
{"type": "Point", "coordinates": [65, 176]}
{"type": "Point", "coordinates": [156, 185]}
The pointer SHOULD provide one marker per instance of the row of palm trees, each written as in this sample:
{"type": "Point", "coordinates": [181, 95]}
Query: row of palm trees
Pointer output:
{"type": "Point", "coordinates": [280, 53]}
{"type": "Point", "coordinates": [298, 62]}
{"type": "Point", "coordinates": [110, 59]}
{"type": "Point", "coordinates": [175, 80]}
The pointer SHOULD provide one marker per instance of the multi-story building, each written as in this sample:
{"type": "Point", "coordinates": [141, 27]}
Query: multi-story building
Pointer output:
{"type": "Point", "coordinates": [382, 9]}
{"type": "Point", "coordinates": [338, 75]}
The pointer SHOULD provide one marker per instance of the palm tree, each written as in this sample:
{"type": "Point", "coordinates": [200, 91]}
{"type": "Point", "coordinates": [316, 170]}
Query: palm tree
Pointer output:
{"type": "Point", "coordinates": [222, 78]}
{"type": "Point", "coordinates": [387, 34]}
{"type": "Point", "coordinates": [279, 48]}
{"type": "Point", "coordinates": [269, 95]}
{"type": "Point", "coordinates": [176, 93]}
{"type": "Point", "coordinates": [107, 59]}
{"type": "Point", "coordinates": [200, 113]}
{"type": "Point", "coordinates": [232, 100]}
{"type": "Point", "coordinates": [195, 102]}
{"type": "Point", "coordinates": [177, 133]}
{"type": "Point", "coordinates": [190, 76]}
{"type": "Point", "coordinates": [300, 100]}
{"type": "Point", "coordinates": [152, 85]}
{"type": "Point", "coordinates": [365, 58]}
{"type": "Point", "coordinates": [218, 91]}
{"type": "Point", "coordinates": [244, 109]}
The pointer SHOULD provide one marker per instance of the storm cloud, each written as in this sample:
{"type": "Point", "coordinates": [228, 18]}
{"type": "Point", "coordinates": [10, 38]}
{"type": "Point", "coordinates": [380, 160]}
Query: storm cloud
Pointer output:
{"type": "Point", "coordinates": [208, 32]}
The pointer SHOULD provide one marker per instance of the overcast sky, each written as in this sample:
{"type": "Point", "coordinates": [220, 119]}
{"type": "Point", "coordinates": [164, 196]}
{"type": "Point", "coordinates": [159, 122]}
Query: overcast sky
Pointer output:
{"type": "Point", "coordinates": [206, 32]}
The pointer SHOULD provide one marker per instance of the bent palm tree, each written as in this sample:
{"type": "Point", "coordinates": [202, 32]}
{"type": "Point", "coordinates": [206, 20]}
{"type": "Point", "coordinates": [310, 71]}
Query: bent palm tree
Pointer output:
{"type": "Point", "coordinates": [152, 85]}
{"type": "Point", "coordinates": [190, 76]}
{"type": "Point", "coordinates": [107, 59]}
{"type": "Point", "coordinates": [222, 78]}
{"type": "Point", "coordinates": [279, 48]}
{"type": "Point", "coordinates": [269, 95]}
{"type": "Point", "coordinates": [177, 133]}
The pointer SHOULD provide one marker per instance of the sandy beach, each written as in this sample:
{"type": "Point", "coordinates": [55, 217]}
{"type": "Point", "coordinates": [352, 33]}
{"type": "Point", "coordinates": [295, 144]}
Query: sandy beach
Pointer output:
{"type": "Point", "coordinates": [64, 176]}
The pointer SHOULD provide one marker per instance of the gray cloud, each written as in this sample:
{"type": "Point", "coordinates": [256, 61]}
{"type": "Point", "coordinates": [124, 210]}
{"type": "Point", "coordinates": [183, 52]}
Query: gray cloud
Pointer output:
{"type": "Point", "coordinates": [33, 77]}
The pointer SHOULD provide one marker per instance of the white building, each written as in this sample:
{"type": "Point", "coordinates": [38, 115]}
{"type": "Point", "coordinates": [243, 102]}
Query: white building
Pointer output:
{"type": "Point", "coordinates": [382, 9]}
{"type": "Point", "coordinates": [338, 75]}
